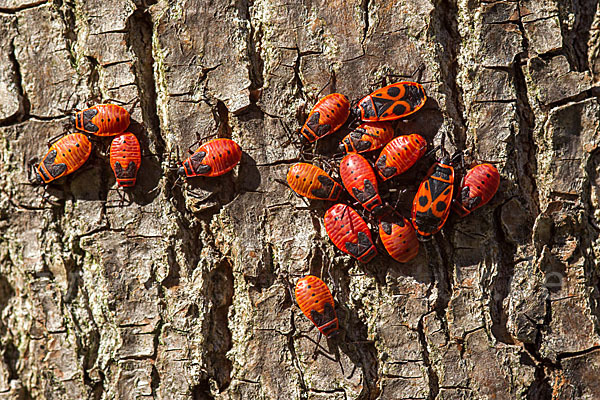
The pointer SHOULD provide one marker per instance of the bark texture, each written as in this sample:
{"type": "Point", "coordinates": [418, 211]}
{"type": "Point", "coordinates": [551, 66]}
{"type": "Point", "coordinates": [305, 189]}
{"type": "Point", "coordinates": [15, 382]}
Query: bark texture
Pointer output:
{"type": "Point", "coordinates": [181, 297]}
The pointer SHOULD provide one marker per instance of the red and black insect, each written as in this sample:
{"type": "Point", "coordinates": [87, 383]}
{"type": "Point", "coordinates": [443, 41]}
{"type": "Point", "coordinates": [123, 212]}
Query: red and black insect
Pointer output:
{"type": "Point", "coordinates": [125, 159]}
{"type": "Point", "coordinates": [477, 188]}
{"type": "Point", "coordinates": [349, 232]}
{"type": "Point", "coordinates": [65, 156]}
{"type": "Point", "coordinates": [399, 155]}
{"type": "Point", "coordinates": [102, 120]}
{"type": "Point", "coordinates": [316, 302]}
{"type": "Point", "coordinates": [392, 102]}
{"type": "Point", "coordinates": [360, 181]}
{"type": "Point", "coordinates": [311, 181]}
{"type": "Point", "coordinates": [367, 137]}
{"type": "Point", "coordinates": [213, 158]}
{"type": "Point", "coordinates": [434, 198]}
{"type": "Point", "coordinates": [327, 116]}
{"type": "Point", "coordinates": [398, 237]}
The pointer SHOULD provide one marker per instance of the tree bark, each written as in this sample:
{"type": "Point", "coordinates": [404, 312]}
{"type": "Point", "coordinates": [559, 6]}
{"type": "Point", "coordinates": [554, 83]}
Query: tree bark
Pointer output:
{"type": "Point", "coordinates": [183, 292]}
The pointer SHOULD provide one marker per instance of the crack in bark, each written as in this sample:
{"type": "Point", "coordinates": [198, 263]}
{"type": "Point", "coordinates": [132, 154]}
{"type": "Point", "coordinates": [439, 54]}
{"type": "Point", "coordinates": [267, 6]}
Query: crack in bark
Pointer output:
{"type": "Point", "coordinates": [433, 379]}
{"type": "Point", "coordinates": [525, 141]}
{"type": "Point", "coordinates": [446, 13]}
{"type": "Point", "coordinates": [140, 33]}
{"type": "Point", "coordinates": [364, 5]}
{"type": "Point", "coordinates": [24, 108]}
{"type": "Point", "coordinates": [27, 6]}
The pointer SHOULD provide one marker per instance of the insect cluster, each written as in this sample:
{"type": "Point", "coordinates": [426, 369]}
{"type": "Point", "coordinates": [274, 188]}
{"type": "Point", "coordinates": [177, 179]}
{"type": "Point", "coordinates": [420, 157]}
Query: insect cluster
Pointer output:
{"type": "Point", "coordinates": [362, 173]}
{"type": "Point", "coordinates": [67, 154]}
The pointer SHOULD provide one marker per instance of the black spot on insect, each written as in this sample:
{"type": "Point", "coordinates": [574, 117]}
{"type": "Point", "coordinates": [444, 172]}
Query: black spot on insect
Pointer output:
{"type": "Point", "coordinates": [423, 201]}
{"type": "Point", "coordinates": [441, 206]}
{"type": "Point", "coordinates": [393, 91]}
{"type": "Point", "coordinates": [488, 175]}
{"type": "Point", "coordinates": [297, 176]}
{"type": "Point", "coordinates": [399, 109]}
{"type": "Point", "coordinates": [76, 144]}
{"type": "Point", "coordinates": [309, 286]}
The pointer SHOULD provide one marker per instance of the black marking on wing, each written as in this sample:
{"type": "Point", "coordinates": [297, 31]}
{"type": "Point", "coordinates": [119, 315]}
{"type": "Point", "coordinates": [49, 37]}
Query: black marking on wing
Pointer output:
{"type": "Point", "coordinates": [88, 114]}
{"type": "Point", "coordinates": [367, 107]}
{"type": "Point", "coordinates": [197, 166]}
{"type": "Point", "coordinates": [55, 170]}
{"type": "Point", "coordinates": [366, 194]}
{"type": "Point", "coordinates": [327, 185]}
{"type": "Point", "coordinates": [125, 173]}
{"type": "Point", "coordinates": [328, 315]}
{"type": "Point", "coordinates": [393, 91]}
{"type": "Point", "coordinates": [437, 187]}
{"type": "Point", "coordinates": [387, 227]}
{"type": "Point", "coordinates": [385, 170]}
{"type": "Point", "coordinates": [359, 144]}
{"type": "Point", "coordinates": [469, 202]}
{"type": "Point", "coordinates": [313, 124]}
{"type": "Point", "coordinates": [413, 95]}
{"type": "Point", "coordinates": [381, 105]}
{"type": "Point", "coordinates": [357, 249]}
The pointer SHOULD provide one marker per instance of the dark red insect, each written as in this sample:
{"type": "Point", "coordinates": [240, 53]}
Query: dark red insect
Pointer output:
{"type": "Point", "coordinates": [399, 238]}
{"type": "Point", "coordinates": [102, 120]}
{"type": "Point", "coordinates": [316, 302]}
{"type": "Point", "coordinates": [477, 188]}
{"type": "Point", "coordinates": [349, 232]}
{"type": "Point", "coordinates": [399, 155]}
{"type": "Point", "coordinates": [367, 137]}
{"type": "Point", "coordinates": [311, 181]}
{"type": "Point", "coordinates": [326, 117]}
{"type": "Point", "coordinates": [360, 181]}
{"type": "Point", "coordinates": [65, 156]}
{"type": "Point", "coordinates": [125, 158]}
{"type": "Point", "coordinates": [434, 198]}
{"type": "Point", "coordinates": [213, 158]}
{"type": "Point", "coordinates": [392, 102]}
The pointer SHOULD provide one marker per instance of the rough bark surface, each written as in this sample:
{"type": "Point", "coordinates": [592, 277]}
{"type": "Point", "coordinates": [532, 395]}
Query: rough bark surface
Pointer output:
{"type": "Point", "coordinates": [182, 297]}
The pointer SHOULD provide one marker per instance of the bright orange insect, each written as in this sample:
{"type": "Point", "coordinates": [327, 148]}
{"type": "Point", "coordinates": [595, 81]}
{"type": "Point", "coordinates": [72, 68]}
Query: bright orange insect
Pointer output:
{"type": "Point", "coordinates": [360, 181]}
{"type": "Point", "coordinates": [349, 232]}
{"type": "Point", "coordinates": [399, 155]}
{"type": "Point", "coordinates": [213, 158]}
{"type": "Point", "coordinates": [399, 238]}
{"type": "Point", "coordinates": [102, 120]}
{"type": "Point", "coordinates": [477, 188]}
{"type": "Point", "coordinates": [125, 158]}
{"type": "Point", "coordinates": [316, 302]}
{"type": "Point", "coordinates": [367, 137]}
{"type": "Point", "coordinates": [65, 156]}
{"type": "Point", "coordinates": [311, 181]}
{"type": "Point", "coordinates": [327, 116]}
{"type": "Point", "coordinates": [392, 102]}
{"type": "Point", "coordinates": [433, 199]}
